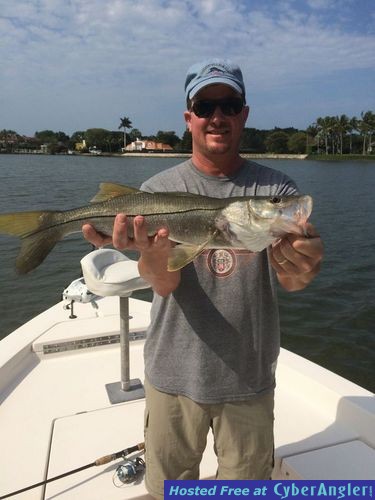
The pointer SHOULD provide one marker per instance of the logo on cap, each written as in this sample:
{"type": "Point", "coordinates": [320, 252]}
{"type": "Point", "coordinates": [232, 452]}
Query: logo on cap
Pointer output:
{"type": "Point", "coordinates": [216, 72]}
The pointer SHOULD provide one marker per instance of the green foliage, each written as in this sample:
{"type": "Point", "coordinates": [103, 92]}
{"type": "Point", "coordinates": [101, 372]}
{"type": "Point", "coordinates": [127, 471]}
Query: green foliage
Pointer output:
{"type": "Point", "coordinates": [167, 137]}
{"type": "Point", "coordinates": [134, 135]}
{"type": "Point", "coordinates": [56, 142]}
{"type": "Point", "coordinates": [46, 136]}
{"type": "Point", "coordinates": [96, 137]}
{"type": "Point", "coordinates": [253, 140]}
{"type": "Point", "coordinates": [125, 123]}
{"type": "Point", "coordinates": [339, 134]}
{"type": "Point", "coordinates": [105, 140]}
{"type": "Point", "coordinates": [297, 143]}
{"type": "Point", "coordinates": [328, 135]}
{"type": "Point", "coordinates": [186, 143]}
{"type": "Point", "coordinates": [277, 142]}
{"type": "Point", "coordinates": [76, 137]}
{"type": "Point", "coordinates": [4, 133]}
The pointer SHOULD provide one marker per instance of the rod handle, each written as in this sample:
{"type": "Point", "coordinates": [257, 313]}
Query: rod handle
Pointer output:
{"type": "Point", "coordinates": [106, 459]}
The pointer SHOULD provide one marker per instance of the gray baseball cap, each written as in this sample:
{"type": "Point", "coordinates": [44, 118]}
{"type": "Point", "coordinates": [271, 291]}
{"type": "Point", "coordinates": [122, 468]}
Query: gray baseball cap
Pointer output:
{"type": "Point", "coordinates": [213, 71]}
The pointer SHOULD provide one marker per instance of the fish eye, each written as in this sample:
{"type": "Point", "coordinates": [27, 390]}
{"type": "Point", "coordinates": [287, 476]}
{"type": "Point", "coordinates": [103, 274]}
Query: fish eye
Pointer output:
{"type": "Point", "coordinates": [275, 200]}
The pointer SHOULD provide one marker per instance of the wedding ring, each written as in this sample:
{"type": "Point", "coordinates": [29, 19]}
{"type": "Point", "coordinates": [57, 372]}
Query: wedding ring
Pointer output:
{"type": "Point", "coordinates": [282, 262]}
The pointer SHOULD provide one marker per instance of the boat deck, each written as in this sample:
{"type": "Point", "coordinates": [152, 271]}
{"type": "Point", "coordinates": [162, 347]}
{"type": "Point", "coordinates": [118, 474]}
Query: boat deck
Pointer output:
{"type": "Point", "coordinates": [55, 414]}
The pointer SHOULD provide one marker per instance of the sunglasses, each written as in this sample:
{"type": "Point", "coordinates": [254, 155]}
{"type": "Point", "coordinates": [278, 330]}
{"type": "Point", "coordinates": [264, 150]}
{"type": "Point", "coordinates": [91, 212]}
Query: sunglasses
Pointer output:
{"type": "Point", "coordinates": [205, 108]}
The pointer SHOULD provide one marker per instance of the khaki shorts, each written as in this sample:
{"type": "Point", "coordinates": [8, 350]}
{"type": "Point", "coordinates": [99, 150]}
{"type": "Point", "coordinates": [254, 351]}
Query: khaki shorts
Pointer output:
{"type": "Point", "coordinates": [176, 431]}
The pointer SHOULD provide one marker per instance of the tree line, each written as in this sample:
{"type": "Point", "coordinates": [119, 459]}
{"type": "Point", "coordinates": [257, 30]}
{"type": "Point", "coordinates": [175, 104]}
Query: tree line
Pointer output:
{"type": "Point", "coordinates": [327, 135]}
{"type": "Point", "coordinates": [341, 134]}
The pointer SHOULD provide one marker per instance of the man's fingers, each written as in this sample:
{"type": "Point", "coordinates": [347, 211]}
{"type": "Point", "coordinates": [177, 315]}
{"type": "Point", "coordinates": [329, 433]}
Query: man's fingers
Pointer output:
{"type": "Point", "coordinates": [120, 232]}
{"type": "Point", "coordinates": [94, 237]}
{"type": "Point", "coordinates": [140, 233]}
{"type": "Point", "coordinates": [161, 238]}
{"type": "Point", "coordinates": [120, 240]}
{"type": "Point", "coordinates": [296, 254]}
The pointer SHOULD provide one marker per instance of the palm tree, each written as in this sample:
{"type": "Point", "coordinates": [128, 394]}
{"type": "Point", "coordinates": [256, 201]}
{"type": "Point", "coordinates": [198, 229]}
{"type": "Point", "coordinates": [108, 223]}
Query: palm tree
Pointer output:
{"type": "Point", "coordinates": [366, 126]}
{"type": "Point", "coordinates": [353, 125]}
{"type": "Point", "coordinates": [125, 123]}
{"type": "Point", "coordinates": [342, 127]}
{"type": "Point", "coordinates": [325, 128]}
{"type": "Point", "coordinates": [313, 131]}
{"type": "Point", "coordinates": [371, 131]}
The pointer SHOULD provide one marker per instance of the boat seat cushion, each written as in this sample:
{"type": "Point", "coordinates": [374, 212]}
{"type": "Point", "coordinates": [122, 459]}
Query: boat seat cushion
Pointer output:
{"type": "Point", "coordinates": [109, 272]}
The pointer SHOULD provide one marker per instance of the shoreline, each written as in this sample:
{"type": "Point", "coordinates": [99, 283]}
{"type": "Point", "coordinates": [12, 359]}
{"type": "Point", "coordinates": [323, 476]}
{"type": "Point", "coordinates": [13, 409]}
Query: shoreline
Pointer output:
{"type": "Point", "coordinates": [269, 156]}
{"type": "Point", "coordinates": [254, 156]}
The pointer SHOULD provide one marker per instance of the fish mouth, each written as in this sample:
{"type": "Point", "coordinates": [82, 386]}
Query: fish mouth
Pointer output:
{"type": "Point", "coordinates": [294, 218]}
{"type": "Point", "coordinates": [304, 209]}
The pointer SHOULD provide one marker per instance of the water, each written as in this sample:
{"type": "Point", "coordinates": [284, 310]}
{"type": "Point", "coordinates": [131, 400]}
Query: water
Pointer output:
{"type": "Point", "coordinates": [332, 322]}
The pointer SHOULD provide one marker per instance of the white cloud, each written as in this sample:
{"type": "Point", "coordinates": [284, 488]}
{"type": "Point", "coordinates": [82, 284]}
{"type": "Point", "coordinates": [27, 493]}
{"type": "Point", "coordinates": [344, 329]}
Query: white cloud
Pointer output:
{"type": "Point", "coordinates": [126, 54]}
{"type": "Point", "coordinates": [321, 4]}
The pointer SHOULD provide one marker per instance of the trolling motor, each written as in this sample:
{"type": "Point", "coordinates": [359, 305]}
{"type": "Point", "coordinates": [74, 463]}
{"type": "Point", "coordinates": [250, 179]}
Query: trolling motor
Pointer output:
{"type": "Point", "coordinates": [77, 291]}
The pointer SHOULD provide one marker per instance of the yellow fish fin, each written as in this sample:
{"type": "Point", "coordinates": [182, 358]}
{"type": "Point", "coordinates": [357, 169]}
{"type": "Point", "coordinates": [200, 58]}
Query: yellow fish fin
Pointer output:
{"type": "Point", "coordinates": [108, 190]}
{"type": "Point", "coordinates": [22, 224]}
{"type": "Point", "coordinates": [38, 233]}
{"type": "Point", "coordinates": [181, 255]}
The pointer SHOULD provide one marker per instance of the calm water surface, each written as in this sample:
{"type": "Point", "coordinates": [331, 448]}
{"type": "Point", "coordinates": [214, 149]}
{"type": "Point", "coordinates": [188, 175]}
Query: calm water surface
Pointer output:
{"type": "Point", "coordinates": [332, 322]}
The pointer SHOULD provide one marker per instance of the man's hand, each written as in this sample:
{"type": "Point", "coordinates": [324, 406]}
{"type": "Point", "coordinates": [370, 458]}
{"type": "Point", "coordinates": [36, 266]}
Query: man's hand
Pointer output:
{"type": "Point", "coordinates": [97, 239]}
{"type": "Point", "coordinates": [154, 250]}
{"type": "Point", "coordinates": [296, 259]}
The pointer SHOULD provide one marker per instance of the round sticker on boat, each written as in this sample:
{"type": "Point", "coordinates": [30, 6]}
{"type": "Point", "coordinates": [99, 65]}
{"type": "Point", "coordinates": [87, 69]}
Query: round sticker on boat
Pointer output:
{"type": "Point", "coordinates": [221, 262]}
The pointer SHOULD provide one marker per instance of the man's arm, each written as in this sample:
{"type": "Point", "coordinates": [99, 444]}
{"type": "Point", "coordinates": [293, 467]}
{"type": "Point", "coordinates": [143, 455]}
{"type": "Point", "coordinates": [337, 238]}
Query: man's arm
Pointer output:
{"type": "Point", "coordinates": [154, 251]}
{"type": "Point", "coordinates": [296, 259]}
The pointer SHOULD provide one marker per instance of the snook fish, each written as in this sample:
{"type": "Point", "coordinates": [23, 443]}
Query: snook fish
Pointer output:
{"type": "Point", "coordinates": [195, 222]}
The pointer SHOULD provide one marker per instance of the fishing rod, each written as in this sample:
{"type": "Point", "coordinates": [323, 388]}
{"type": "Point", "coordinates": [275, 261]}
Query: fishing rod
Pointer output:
{"type": "Point", "coordinates": [99, 461]}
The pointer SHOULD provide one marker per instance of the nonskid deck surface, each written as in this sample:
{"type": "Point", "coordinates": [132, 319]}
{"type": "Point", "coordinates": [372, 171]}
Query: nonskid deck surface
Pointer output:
{"type": "Point", "coordinates": [55, 413]}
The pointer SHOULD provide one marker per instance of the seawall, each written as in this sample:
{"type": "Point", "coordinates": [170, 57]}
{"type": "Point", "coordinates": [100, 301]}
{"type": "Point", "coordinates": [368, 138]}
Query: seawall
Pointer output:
{"type": "Point", "coordinates": [244, 155]}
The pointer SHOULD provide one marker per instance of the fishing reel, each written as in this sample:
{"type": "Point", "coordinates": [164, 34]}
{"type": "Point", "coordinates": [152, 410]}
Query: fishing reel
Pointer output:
{"type": "Point", "coordinates": [129, 471]}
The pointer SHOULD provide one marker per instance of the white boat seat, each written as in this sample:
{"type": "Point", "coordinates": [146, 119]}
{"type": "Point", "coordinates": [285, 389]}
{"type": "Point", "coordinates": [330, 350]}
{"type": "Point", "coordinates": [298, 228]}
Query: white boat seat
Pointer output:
{"type": "Point", "coordinates": [109, 272]}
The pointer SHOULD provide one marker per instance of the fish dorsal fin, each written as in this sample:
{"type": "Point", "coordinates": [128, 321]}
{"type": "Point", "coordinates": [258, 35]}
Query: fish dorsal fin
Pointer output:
{"type": "Point", "coordinates": [108, 190]}
{"type": "Point", "coordinates": [181, 255]}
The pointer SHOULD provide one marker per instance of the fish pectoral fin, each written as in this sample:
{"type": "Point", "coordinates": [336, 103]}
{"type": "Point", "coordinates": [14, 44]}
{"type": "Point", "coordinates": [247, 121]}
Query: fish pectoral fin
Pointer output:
{"type": "Point", "coordinates": [181, 255]}
{"type": "Point", "coordinates": [108, 190]}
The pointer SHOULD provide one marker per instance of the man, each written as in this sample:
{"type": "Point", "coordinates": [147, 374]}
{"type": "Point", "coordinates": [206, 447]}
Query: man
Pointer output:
{"type": "Point", "coordinates": [213, 341]}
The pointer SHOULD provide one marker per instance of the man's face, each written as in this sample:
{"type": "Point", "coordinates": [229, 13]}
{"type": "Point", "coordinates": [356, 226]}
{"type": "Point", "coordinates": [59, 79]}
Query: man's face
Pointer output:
{"type": "Point", "coordinates": [218, 134]}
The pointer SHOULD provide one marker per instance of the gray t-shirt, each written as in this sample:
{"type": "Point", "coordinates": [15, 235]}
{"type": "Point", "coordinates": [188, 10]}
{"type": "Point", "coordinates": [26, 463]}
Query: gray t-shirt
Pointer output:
{"type": "Point", "coordinates": [216, 337]}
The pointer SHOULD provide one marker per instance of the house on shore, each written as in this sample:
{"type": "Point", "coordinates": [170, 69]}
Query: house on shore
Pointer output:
{"type": "Point", "coordinates": [80, 146]}
{"type": "Point", "coordinates": [146, 146]}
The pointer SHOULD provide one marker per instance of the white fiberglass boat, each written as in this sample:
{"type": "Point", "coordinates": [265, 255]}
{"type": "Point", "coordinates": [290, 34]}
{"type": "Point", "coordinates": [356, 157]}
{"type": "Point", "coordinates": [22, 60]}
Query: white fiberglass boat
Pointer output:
{"type": "Point", "coordinates": [62, 405]}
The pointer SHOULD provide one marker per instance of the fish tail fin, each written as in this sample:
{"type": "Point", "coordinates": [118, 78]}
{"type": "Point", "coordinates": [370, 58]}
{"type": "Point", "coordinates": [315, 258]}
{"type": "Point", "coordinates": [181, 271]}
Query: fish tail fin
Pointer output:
{"type": "Point", "coordinates": [22, 224]}
{"type": "Point", "coordinates": [38, 235]}
{"type": "Point", "coordinates": [34, 249]}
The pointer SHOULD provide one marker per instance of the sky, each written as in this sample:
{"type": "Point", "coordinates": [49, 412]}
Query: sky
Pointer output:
{"type": "Point", "coordinates": [70, 65]}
